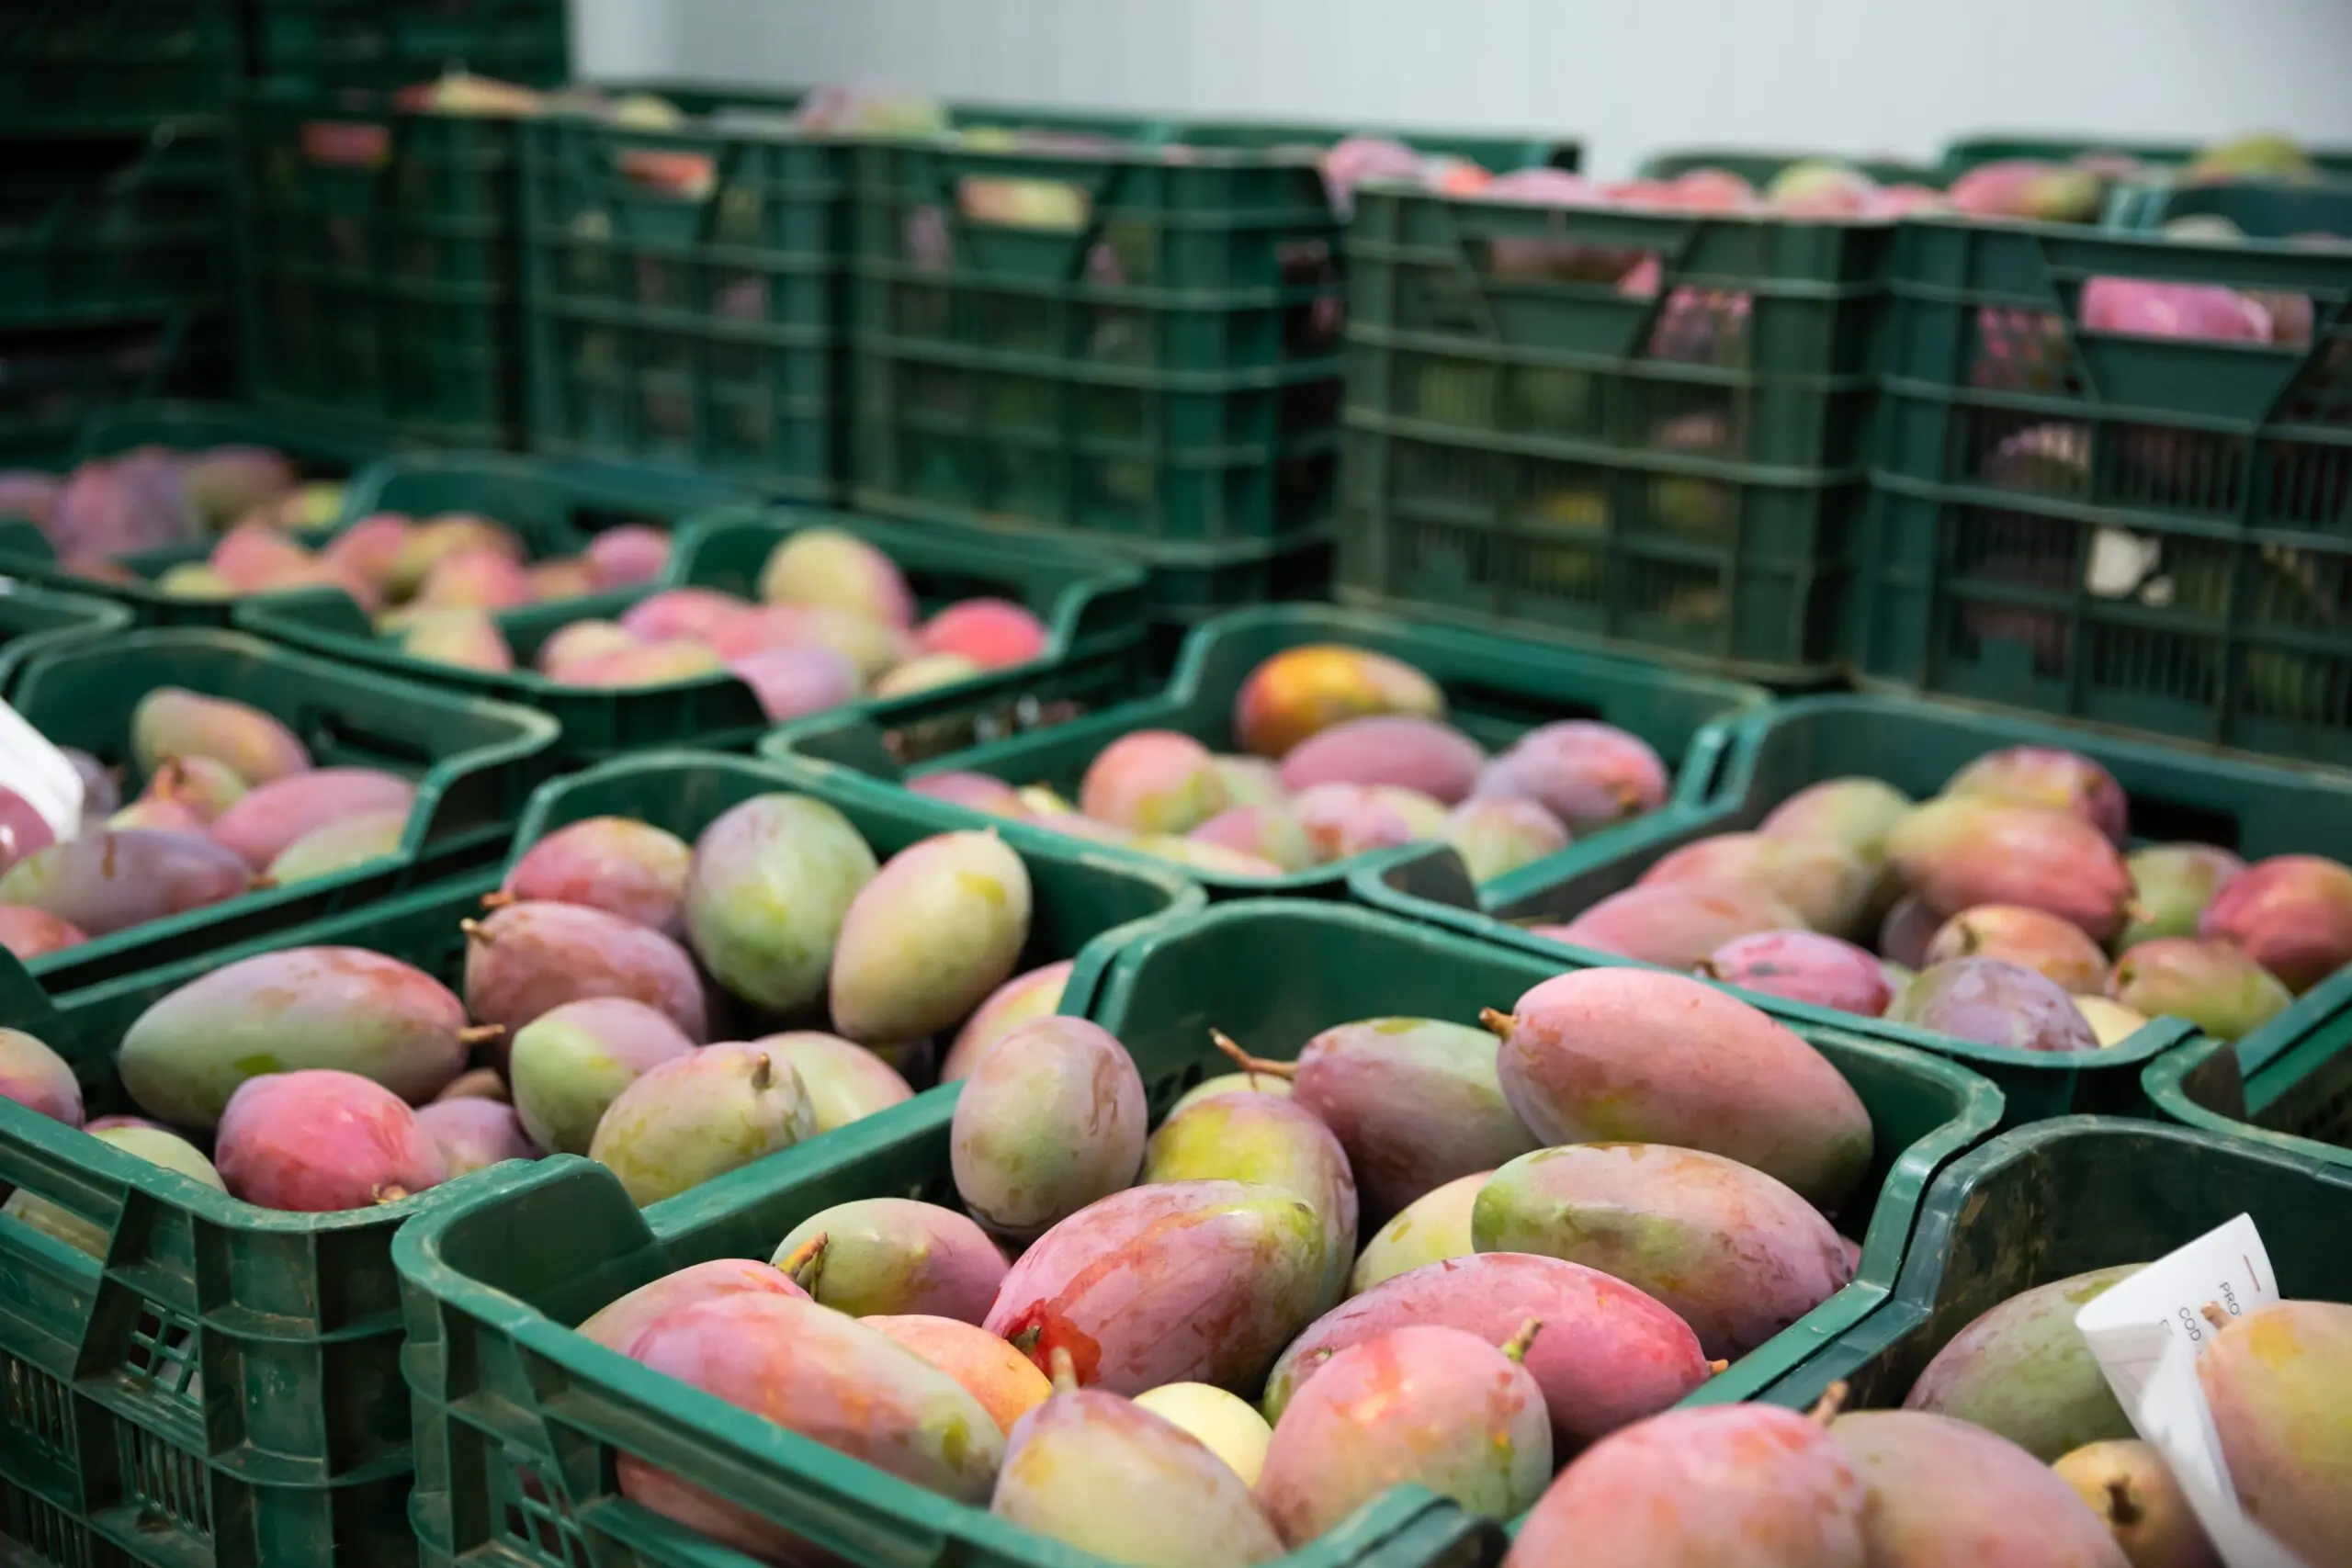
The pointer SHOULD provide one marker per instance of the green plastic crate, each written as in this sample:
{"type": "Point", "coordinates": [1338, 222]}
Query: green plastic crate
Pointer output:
{"type": "Point", "coordinates": [2258, 808]}
{"type": "Point", "coordinates": [2288, 1085]}
{"type": "Point", "coordinates": [54, 380]}
{"type": "Point", "coordinates": [2050, 1202]}
{"type": "Point", "coordinates": [1092, 606]}
{"type": "Point", "coordinates": [1496, 688]}
{"type": "Point", "coordinates": [1118, 337]}
{"type": "Point", "coordinates": [475, 763]}
{"type": "Point", "coordinates": [36, 621]}
{"type": "Point", "coordinates": [1760, 168]}
{"type": "Point", "coordinates": [2135, 531]}
{"type": "Point", "coordinates": [113, 67]}
{"type": "Point", "coordinates": [320, 450]}
{"type": "Point", "coordinates": [328, 45]}
{"type": "Point", "coordinates": [295, 1450]}
{"type": "Point", "coordinates": [114, 227]}
{"type": "Point", "coordinates": [518, 1416]}
{"type": "Point", "coordinates": [1967, 153]}
{"type": "Point", "coordinates": [1677, 469]}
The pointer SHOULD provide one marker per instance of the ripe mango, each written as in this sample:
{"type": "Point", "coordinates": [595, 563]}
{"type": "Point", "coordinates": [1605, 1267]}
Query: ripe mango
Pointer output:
{"type": "Point", "coordinates": [1855, 814]}
{"type": "Point", "coordinates": [1961, 851]}
{"type": "Point", "coordinates": [1499, 835]}
{"type": "Point", "coordinates": [38, 1078]}
{"type": "Point", "coordinates": [1152, 780]}
{"type": "Point", "coordinates": [1589, 775]}
{"type": "Point", "coordinates": [1433, 1227]}
{"type": "Point", "coordinates": [1830, 890]}
{"type": "Point", "coordinates": [343, 1007]}
{"type": "Point", "coordinates": [2053, 779]}
{"type": "Point", "coordinates": [2279, 1382]}
{"type": "Point", "coordinates": [699, 1116]}
{"type": "Point", "coordinates": [1301, 691]}
{"type": "Point", "coordinates": [2128, 1485]}
{"type": "Point", "coordinates": [29, 934]}
{"type": "Point", "coordinates": [1674, 925]}
{"type": "Point", "coordinates": [1802, 967]}
{"type": "Point", "coordinates": [1271, 834]}
{"type": "Point", "coordinates": [173, 722]}
{"type": "Point", "coordinates": [116, 878]}
{"type": "Point", "coordinates": [837, 570]}
{"type": "Point", "coordinates": [270, 817]}
{"type": "Point", "coordinates": [2291, 913]}
{"type": "Point", "coordinates": [473, 1135]}
{"type": "Point", "coordinates": [524, 960]}
{"type": "Point", "coordinates": [2212, 984]}
{"type": "Point", "coordinates": [1737, 1254]}
{"type": "Point", "coordinates": [571, 1062]}
{"type": "Point", "coordinates": [1231, 1083]}
{"type": "Point", "coordinates": [2032, 939]}
{"type": "Point", "coordinates": [846, 1083]}
{"type": "Point", "coordinates": [1228, 1426]}
{"type": "Point", "coordinates": [319, 1141]}
{"type": "Point", "coordinates": [616, 1324]}
{"type": "Point", "coordinates": [1943, 1494]}
{"type": "Point", "coordinates": [1270, 1142]}
{"type": "Point", "coordinates": [2171, 886]}
{"type": "Point", "coordinates": [1036, 994]}
{"type": "Point", "coordinates": [1003, 1380]}
{"type": "Point", "coordinates": [771, 883]}
{"type": "Point", "coordinates": [1341, 820]}
{"type": "Point", "coordinates": [1633, 1055]}
{"type": "Point", "coordinates": [1994, 1003]}
{"type": "Point", "coordinates": [338, 846]}
{"type": "Point", "coordinates": [1050, 1121]}
{"type": "Point", "coordinates": [2022, 1370]}
{"type": "Point", "coordinates": [633, 869]}
{"type": "Point", "coordinates": [150, 1144]}
{"type": "Point", "coordinates": [1189, 1282]}
{"type": "Point", "coordinates": [895, 1257]}
{"type": "Point", "coordinates": [1420, 754]}
{"type": "Point", "coordinates": [926, 940]}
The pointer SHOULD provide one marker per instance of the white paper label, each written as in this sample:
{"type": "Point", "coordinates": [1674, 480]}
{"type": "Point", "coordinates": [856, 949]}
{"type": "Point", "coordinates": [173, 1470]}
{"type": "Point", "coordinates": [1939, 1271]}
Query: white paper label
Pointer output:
{"type": "Point", "coordinates": [2147, 1334]}
{"type": "Point", "coordinates": [39, 773]}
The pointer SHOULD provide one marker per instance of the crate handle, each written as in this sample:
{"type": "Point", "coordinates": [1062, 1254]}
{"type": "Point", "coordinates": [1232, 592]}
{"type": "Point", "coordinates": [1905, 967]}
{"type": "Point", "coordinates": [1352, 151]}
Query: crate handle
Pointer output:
{"type": "Point", "coordinates": [347, 145]}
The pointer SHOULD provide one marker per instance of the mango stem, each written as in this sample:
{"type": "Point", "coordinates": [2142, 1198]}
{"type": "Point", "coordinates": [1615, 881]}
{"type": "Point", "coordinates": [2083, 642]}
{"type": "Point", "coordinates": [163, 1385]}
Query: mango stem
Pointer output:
{"type": "Point", "coordinates": [1497, 1022]}
{"type": "Point", "coordinates": [805, 1264]}
{"type": "Point", "coordinates": [1825, 1409]}
{"type": "Point", "coordinates": [763, 1072]}
{"type": "Point", "coordinates": [1706, 969]}
{"type": "Point", "coordinates": [2122, 1508]}
{"type": "Point", "coordinates": [476, 932]}
{"type": "Point", "coordinates": [475, 1034]}
{"type": "Point", "coordinates": [1717, 1369]}
{"type": "Point", "coordinates": [1250, 1065]}
{"type": "Point", "coordinates": [1518, 1344]}
{"type": "Point", "coordinates": [497, 898]}
{"type": "Point", "coordinates": [1065, 1371]}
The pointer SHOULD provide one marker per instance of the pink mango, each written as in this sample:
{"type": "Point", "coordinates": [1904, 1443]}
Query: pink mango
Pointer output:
{"type": "Point", "coordinates": [1005, 1381]}
{"type": "Point", "coordinates": [2049, 777]}
{"type": "Point", "coordinates": [1342, 821]}
{"type": "Point", "coordinates": [2135, 308]}
{"type": "Point", "coordinates": [1818, 188]}
{"type": "Point", "coordinates": [1674, 925]}
{"type": "Point", "coordinates": [994, 634]}
{"type": "Point", "coordinates": [1154, 780]}
{"type": "Point", "coordinates": [473, 1135]}
{"type": "Point", "coordinates": [694, 613]}
{"type": "Point", "coordinates": [978, 791]}
{"type": "Point", "coordinates": [629, 555]}
{"type": "Point", "coordinates": [616, 1325]}
{"type": "Point", "coordinates": [1418, 755]}
{"type": "Point", "coordinates": [38, 1078]}
{"type": "Point", "coordinates": [480, 580]}
{"type": "Point", "coordinates": [1497, 836]}
{"type": "Point", "coordinates": [2214, 985]}
{"type": "Point", "coordinates": [1829, 888]}
{"type": "Point", "coordinates": [319, 1141]}
{"type": "Point", "coordinates": [650, 664]}
{"type": "Point", "coordinates": [2291, 913]}
{"type": "Point", "coordinates": [369, 550]}
{"type": "Point", "coordinates": [1802, 967]}
{"type": "Point", "coordinates": [1034, 995]}
{"type": "Point", "coordinates": [1959, 851]}
{"type": "Point", "coordinates": [28, 932]}
{"type": "Point", "coordinates": [630, 868]}
{"type": "Point", "coordinates": [272, 815]}
{"type": "Point", "coordinates": [793, 682]}
{"type": "Point", "coordinates": [1943, 1494]}
{"type": "Point", "coordinates": [1992, 1002]}
{"type": "Point", "coordinates": [831, 569]}
{"type": "Point", "coordinates": [468, 638]}
{"type": "Point", "coordinates": [1049, 1120]}
{"type": "Point", "coordinates": [1589, 775]}
{"type": "Point", "coordinates": [2033, 939]}
{"type": "Point", "coordinates": [110, 880]}
{"type": "Point", "coordinates": [1270, 833]}
{"type": "Point", "coordinates": [561, 580]}
{"type": "Point", "coordinates": [528, 958]}
{"type": "Point", "coordinates": [23, 830]}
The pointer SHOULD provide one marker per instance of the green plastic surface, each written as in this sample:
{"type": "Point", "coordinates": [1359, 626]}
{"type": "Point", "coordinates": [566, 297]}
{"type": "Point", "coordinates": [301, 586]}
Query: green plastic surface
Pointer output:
{"type": "Point", "coordinates": [1677, 473]}
{"type": "Point", "coordinates": [2255, 807]}
{"type": "Point", "coordinates": [54, 380]}
{"type": "Point", "coordinates": [1104, 336]}
{"type": "Point", "coordinates": [295, 1449]}
{"type": "Point", "coordinates": [2050, 1202]}
{"type": "Point", "coordinates": [36, 621]}
{"type": "Point", "coordinates": [113, 67]}
{"type": "Point", "coordinates": [1496, 688]}
{"type": "Point", "coordinates": [475, 763]}
{"type": "Point", "coordinates": [519, 1414]}
{"type": "Point", "coordinates": [112, 229]}
{"type": "Point", "coordinates": [1961, 155]}
{"type": "Point", "coordinates": [1759, 168]}
{"type": "Point", "coordinates": [1090, 605]}
{"type": "Point", "coordinates": [320, 449]}
{"type": "Point", "coordinates": [2141, 532]}
{"type": "Point", "coordinates": [2289, 1084]}
{"type": "Point", "coordinates": [327, 45]}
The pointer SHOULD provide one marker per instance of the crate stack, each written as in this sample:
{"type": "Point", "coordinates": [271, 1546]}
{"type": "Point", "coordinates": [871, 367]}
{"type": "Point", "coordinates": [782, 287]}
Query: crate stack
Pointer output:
{"type": "Point", "coordinates": [113, 245]}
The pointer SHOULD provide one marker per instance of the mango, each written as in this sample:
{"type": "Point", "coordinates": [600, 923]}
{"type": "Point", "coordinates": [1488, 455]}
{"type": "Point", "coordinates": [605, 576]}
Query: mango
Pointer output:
{"type": "Point", "coordinates": [1992, 1003]}
{"type": "Point", "coordinates": [2128, 1485]}
{"type": "Point", "coordinates": [1302, 691]}
{"type": "Point", "coordinates": [1270, 1142]}
{"type": "Point", "coordinates": [771, 882]}
{"type": "Point", "coordinates": [1610, 1353]}
{"type": "Point", "coordinates": [929, 937]}
{"type": "Point", "coordinates": [38, 1078]}
{"type": "Point", "coordinates": [476, 1083]}
{"type": "Point", "coordinates": [1152, 780]}
{"type": "Point", "coordinates": [1630, 1056]}
{"type": "Point", "coordinates": [2213, 985]}
{"type": "Point", "coordinates": [159, 816]}
{"type": "Point", "coordinates": [1413, 1101]}
{"type": "Point", "coordinates": [695, 1117]}
{"type": "Point", "coordinates": [453, 634]}
{"type": "Point", "coordinates": [473, 1135]}
{"type": "Point", "coordinates": [110, 880]}
{"type": "Point", "coordinates": [633, 869]}
{"type": "Point", "coordinates": [895, 1257]}
{"type": "Point", "coordinates": [1431, 1228]}
{"type": "Point", "coordinates": [978, 791]}
{"type": "Point", "coordinates": [1430, 1405]}
{"type": "Point", "coordinates": [790, 681]}
{"type": "Point", "coordinates": [2279, 1383]}
{"type": "Point", "coordinates": [1829, 889]}
{"type": "Point", "coordinates": [1033, 995]}
{"type": "Point", "coordinates": [648, 664]}
{"type": "Point", "coordinates": [153, 1144]}
{"type": "Point", "coordinates": [172, 722]}
{"type": "Point", "coordinates": [523, 960]}
{"type": "Point", "coordinates": [23, 829]}
{"type": "Point", "coordinates": [2051, 778]}
{"type": "Point", "coordinates": [2111, 1022]}
{"type": "Point", "coordinates": [1737, 1255]}
{"type": "Point", "coordinates": [2291, 913]}
{"type": "Point", "coordinates": [1750, 1485]}
{"type": "Point", "coordinates": [1342, 821]}
{"type": "Point", "coordinates": [689, 612]}
{"type": "Point", "coordinates": [223, 483]}
{"type": "Point", "coordinates": [827, 567]}
{"type": "Point", "coordinates": [561, 578]}
{"type": "Point", "coordinates": [270, 817]}
{"type": "Point", "coordinates": [1188, 1281]}
{"type": "Point", "coordinates": [925, 672]}
{"type": "Point", "coordinates": [627, 555]}
{"type": "Point", "coordinates": [1252, 781]}
{"type": "Point", "coordinates": [994, 634]}
{"type": "Point", "coordinates": [204, 784]}
{"type": "Point", "coordinates": [1943, 1494]}
{"type": "Point", "coordinates": [846, 1083]}
{"type": "Point", "coordinates": [29, 934]}
{"type": "Point", "coordinates": [426, 544]}
{"type": "Point", "coordinates": [1802, 967]}
{"type": "Point", "coordinates": [2032, 939]}
{"type": "Point", "coordinates": [827, 1377]}
{"type": "Point", "coordinates": [1271, 834]}
{"type": "Point", "coordinates": [1855, 814]}
{"type": "Point", "coordinates": [1958, 853]}
{"type": "Point", "coordinates": [2171, 886]}
{"type": "Point", "coordinates": [101, 788]}
{"type": "Point", "coordinates": [1589, 775]}
{"type": "Point", "coordinates": [1224, 1424]}
{"type": "Point", "coordinates": [1106, 1476]}
{"type": "Point", "coordinates": [1232, 1083]}
{"type": "Point", "coordinates": [1674, 925]}
{"type": "Point", "coordinates": [618, 1323]}
{"type": "Point", "coordinates": [338, 846]}
{"type": "Point", "coordinates": [1420, 754]}
{"type": "Point", "coordinates": [571, 1062]}
{"type": "Point", "coordinates": [368, 550]}
{"type": "Point", "coordinates": [341, 1008]}
{"type": "Point", "coordinates": [317, 1141]}
{"type": "Point", "coordinates": [1902, 937]}
{"type": "Point", "coordinates": [1003, 1380]}
{"type": "Point", "coordinates": [578, 643]}
{"type": "Point", "coordinates": [1047, 1122]}
{"type": "Point", "coordinates": [2022, 1370]}
{"type": "Point", "coordinates": [1497, 836]}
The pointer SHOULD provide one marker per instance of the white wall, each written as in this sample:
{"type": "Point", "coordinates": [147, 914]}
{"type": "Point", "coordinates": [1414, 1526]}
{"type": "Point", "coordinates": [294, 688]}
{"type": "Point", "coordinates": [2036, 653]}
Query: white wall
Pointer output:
{"type": "Point", "coordinates": [1630, 76]}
